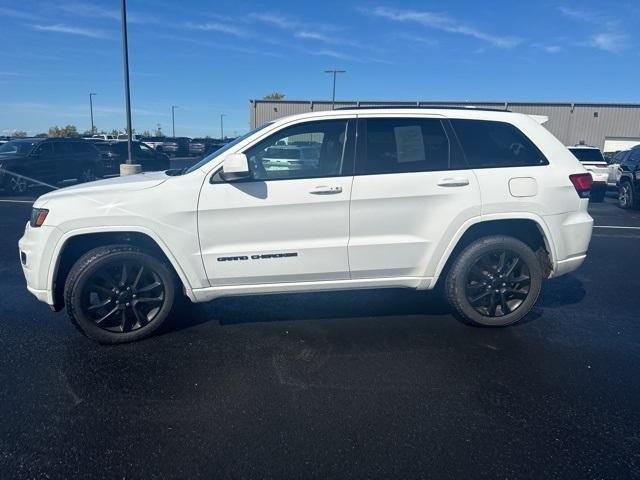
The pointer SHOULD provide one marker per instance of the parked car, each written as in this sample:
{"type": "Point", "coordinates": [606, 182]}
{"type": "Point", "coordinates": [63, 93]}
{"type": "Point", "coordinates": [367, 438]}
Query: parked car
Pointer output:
{"type": "Point", "coordinates": [116, 152]}
{"type": "Point", "coordinates": [177, 147]}
{"type": "Point", "coordinates": [196, 148]}
{"type": "Point", "coordinates": [100, 136]}
{"type": "Point", "coordinates": [210, 144]}
{"type": "Point", "coordinates": [488, 217]}
{"type": "Point", "coordinates": [32, 161]}
{"type": "Point", "coordinates": [629, 181]}
{"type": "Point", "coordinates": [290, 157]}
{"type": "Point", "coordinates": [154, 142]}
{"type": "Point", "coordinates": [124, 136]}
{"type": "Point", "coordinates": [593, 160]}
{"type": "Point", "coordinates": [614, 167]}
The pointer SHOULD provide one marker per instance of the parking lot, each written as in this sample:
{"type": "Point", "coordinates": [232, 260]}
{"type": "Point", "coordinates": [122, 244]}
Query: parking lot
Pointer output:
{"type": "Point", "coordinates": [380, 384]}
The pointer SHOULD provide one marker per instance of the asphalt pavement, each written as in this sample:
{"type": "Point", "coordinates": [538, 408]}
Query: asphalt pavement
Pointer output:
{"type": "Point", "coordinates": [366, 384]}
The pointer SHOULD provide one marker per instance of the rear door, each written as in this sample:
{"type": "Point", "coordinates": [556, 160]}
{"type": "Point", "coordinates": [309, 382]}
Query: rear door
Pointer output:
{"type": "Point", "coordinates": [411, 193]}
{"type": "Point", "coordinates": [510, 168]}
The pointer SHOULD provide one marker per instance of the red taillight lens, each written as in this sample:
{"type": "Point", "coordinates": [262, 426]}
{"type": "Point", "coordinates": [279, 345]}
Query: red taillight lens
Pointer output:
{"type": "Point", "coordinates": [582, 182]}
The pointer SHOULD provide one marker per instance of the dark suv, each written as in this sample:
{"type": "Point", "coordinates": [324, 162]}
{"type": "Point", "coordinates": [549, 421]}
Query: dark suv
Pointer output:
{"type": "Point", "coordinates": [629, 182]}
{"type": "Point", "coordinates": [114, 153]}
{"type": "Point", "coordinates": [47, 161]}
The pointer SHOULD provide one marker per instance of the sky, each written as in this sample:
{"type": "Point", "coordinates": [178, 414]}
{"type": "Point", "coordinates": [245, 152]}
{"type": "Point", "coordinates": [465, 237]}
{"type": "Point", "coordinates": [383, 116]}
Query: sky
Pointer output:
{"type": "Point", "coordinates": [209, 58]}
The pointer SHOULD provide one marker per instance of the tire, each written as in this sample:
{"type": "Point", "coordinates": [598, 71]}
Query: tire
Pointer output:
{"type": "Point", "coordinates": [626, 195]}
{"type": "Point", "coordinates": [15, 184]}
{"type": "Point", "coordinates": [88, 173]}
{"type": "Point", "coordinates": [477, 292]}
{"type": "Point", "coordinates": [110, 280]}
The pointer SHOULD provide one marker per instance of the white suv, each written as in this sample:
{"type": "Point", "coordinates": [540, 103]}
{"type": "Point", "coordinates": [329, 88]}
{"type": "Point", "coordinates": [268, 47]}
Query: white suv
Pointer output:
{"type": "Point", "coordinates": [483, 203]}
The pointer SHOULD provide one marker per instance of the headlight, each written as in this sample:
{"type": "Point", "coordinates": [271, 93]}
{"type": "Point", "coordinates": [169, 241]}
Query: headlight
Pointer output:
{"type": "Point", "coordinates": [38, 216]}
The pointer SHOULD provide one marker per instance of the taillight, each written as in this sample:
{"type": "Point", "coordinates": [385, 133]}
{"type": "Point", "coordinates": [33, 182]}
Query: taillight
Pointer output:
{"type": "Point", "coordinates": [582, 183]}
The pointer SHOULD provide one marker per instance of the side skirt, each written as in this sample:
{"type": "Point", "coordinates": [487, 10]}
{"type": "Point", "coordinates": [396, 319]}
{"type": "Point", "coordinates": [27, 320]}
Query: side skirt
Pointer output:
{"type": "Point", "coordinates": [211, 293]}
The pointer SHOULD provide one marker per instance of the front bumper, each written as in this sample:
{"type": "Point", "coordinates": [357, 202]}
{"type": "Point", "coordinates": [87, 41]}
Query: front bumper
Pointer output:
{"type": "Point", "coordinates": [35, 252]}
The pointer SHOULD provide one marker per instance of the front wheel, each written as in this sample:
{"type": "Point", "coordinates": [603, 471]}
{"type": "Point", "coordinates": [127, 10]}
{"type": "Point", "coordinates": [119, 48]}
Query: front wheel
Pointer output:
{"type": "Point", "coordinates": [626, 198]}
{"type": "Point", "coordinates": [494, 282]}
{"type": "Point", "coordinates": [118, 293]}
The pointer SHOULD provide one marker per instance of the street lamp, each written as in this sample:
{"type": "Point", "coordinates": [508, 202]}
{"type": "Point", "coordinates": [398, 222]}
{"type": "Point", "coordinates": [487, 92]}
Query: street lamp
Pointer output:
{"type": "Point", "coordinates": [333, 96]}
{"type": "Point", "coordinates": [173, 119]}
{"type": "Point", "coordinates": [129, 168]}
{"type": "Point", "coordinates": [222, 115]}
{"type": "Point", "coordinates": [93, 128]}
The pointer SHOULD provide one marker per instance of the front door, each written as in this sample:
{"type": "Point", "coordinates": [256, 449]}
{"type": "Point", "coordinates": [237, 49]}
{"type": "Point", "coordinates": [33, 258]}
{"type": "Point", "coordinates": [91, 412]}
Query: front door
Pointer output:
{"type": "Point", "coordinates": [290, 221]}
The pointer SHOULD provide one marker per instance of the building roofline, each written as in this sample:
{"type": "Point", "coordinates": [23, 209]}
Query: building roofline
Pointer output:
{"type": "Point", "coordinates": [433, 103]}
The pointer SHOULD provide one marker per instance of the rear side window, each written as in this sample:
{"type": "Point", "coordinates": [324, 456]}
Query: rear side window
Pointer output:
{"type": "Point", "coordinates": [488, 144]}
{"type": "Point", "coordinates": [399, 145]}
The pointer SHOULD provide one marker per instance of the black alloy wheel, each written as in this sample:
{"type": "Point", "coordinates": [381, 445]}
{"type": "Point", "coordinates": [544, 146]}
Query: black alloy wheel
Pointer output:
{"type": "Point", "coordinates": [498, 283]}
{"type": "Point", "coordinates": [119, 293]}
{"type": "Point", "coordinates": [123, 298]}
{"type": "Point", "coordinates": [494, 282]}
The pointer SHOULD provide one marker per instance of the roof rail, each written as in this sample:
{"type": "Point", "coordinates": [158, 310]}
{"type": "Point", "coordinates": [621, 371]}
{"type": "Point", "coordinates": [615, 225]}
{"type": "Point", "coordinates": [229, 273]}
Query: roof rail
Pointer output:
{"type": "Point", "coordinates": [429, 107]}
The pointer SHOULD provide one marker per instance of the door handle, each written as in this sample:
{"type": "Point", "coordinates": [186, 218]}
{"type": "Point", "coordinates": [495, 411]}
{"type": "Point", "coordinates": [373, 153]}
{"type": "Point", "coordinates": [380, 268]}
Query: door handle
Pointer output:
{"type": "Point", "coordinates": [453, 182]}
{"type": "Point", "coordinates": [324, 190]}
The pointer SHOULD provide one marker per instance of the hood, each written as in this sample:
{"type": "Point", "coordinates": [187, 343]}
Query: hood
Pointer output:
{"type": "Point", "coordinates": [111, 186]}
{"type": "Point", "coordinates": [5, 157]}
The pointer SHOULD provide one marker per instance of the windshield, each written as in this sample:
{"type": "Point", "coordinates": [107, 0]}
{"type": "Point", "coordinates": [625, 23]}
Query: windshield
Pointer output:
{"type": "Point", "coordinates": [224, 148]}
{"type": "Point", "coordinates": [588, 154]}
{"type": "Point", "coordinates": [18, 147]}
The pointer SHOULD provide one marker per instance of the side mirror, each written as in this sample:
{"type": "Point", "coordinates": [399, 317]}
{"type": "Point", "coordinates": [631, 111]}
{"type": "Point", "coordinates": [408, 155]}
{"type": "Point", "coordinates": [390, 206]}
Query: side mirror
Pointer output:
{"type": "Point", "coordinates": [235, 167]}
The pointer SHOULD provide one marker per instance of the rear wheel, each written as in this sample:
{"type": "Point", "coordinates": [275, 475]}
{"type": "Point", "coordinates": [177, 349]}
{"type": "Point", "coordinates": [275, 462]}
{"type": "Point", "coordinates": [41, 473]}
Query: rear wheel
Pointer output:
{"type": "Point", "coordinates": [118, 293]}
{"type": "Point", "coordinates": [626, 197]}
{"type": "Point", "coordinates": [88, 173]}
{"type": "Point", "coordinates": [494, 282]}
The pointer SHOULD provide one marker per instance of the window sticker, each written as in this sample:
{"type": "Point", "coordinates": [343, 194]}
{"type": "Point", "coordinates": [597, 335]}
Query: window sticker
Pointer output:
{"type": "Point", "coordinates": [410, 143]}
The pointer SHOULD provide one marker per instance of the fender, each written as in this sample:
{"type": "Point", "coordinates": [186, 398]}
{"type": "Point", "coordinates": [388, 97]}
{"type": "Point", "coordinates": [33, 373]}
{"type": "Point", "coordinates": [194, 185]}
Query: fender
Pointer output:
{"type": "Point", "coordinates": [53, 265]}
{"type": "Point", "coordinates": [539, 221]}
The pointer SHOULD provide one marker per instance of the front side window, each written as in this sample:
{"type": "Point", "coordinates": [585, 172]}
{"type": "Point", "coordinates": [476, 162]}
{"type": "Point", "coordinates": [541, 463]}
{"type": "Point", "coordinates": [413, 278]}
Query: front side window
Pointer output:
{"type": "Point", "coordinates": [398, 145]}
{"type": "Point", "coordinates": [308, 150]}
{"type": "Point", "coordinates": [488, 144]}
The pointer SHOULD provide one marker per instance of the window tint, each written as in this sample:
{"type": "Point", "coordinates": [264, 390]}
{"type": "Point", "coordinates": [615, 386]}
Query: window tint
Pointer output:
{"type": "Point", "coordinates": [397, 145]}
{"type": "Point", "coordinates": [63, 148]}
{"type": "Point", "coordinates": [587, 154]}
{"type": "Point", "coordinates": [314, 149]}
{"type": "Point", "coordinates": [45, 149]}
{"type": "Point", "coordinates": [496, 144]}
{"type": "Point", "coordinates": [634, 157]}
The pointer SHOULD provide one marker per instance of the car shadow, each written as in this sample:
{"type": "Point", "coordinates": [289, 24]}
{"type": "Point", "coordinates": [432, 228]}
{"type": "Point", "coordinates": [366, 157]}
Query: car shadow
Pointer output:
{"type": "Point", "coordinates": [562, 291]}
{"type": "Point", "coordinates": [309, 306]}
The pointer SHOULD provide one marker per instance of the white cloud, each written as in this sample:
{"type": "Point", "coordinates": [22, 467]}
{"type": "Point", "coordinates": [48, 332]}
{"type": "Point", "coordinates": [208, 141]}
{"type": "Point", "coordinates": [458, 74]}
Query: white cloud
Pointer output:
{"type": "Point", "coordinates": [62, 28]}
{"type": "Point", "coordinates": [12, 13]}
{"type": "Point", "coordinates": [577, 14]}
{"type": "Point", "coordinates": [218, 27]}
{"type": "Point", "coordinates": [609, 41]}
{"type": "Point", "coordinates": [443, 22]}
{"type": "Point", "coordinates": [548, 48]}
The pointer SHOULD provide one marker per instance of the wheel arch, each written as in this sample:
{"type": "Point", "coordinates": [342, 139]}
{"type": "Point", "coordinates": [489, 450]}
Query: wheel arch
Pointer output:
{"type": "Point", "coordinates": [528, 228]}
{"type": "Point", "coordinates": [74, 244]}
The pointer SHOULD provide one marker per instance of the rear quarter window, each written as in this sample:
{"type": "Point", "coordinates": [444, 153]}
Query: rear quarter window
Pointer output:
{"type": "Point", "coordinates": [489, 144]}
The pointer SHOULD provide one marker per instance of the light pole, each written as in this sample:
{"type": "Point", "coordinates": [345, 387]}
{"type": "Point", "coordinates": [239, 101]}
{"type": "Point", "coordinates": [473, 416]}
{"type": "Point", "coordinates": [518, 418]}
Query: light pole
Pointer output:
{"type": "Point", "coordinates": [333, 96]}
{"type": "Point", "coordinates": [93, 128]}
{"type": "Point", "coordinates": [222, 115]}
{"type": "Point", "coordinates": [173, 119]}
{"type": "Point", "coordinates": [129, 168]}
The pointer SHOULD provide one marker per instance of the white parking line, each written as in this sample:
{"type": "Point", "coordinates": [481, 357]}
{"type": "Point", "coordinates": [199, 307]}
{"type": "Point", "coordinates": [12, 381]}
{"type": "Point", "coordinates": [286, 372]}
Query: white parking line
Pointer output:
{"type": "Point", "coordinates": [17, 201]}
{"type": "Point", "coordinates": [615, 227]}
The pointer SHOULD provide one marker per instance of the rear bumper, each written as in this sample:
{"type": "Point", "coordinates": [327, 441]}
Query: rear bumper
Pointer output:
{"type": "Point", "coordinates": [571, 234]}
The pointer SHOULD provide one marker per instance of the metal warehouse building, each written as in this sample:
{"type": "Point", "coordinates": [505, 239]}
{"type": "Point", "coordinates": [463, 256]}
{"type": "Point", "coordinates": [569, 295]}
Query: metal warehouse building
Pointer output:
{"type": "Point", "coordinates": [609, 126]}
